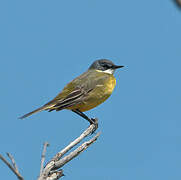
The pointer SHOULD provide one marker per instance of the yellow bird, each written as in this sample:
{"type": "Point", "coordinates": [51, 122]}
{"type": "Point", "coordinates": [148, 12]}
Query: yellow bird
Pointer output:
{"type": "Point", "coordinates": [86, 91]}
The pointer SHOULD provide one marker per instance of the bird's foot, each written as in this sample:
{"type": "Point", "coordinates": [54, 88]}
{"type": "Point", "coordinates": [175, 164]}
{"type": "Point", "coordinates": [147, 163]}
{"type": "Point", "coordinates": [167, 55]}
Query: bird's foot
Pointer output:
{"type": "Point", "coordinates": [95, 122]}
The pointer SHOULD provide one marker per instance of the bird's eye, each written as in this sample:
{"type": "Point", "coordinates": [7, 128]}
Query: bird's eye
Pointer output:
{"type": "Point", "coordinates": [107, 66]}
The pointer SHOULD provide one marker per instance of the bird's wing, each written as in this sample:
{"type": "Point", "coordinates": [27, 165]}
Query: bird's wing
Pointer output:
{"type": "Point", "coordinates": [76, 91]}
{"type": "Point", "coordinates": [75, 97]}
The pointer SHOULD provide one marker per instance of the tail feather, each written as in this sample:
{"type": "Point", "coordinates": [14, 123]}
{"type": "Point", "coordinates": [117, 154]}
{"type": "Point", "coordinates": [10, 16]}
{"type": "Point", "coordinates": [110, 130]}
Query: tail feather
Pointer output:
{"type": "Point", "coordinates": [33, 112]}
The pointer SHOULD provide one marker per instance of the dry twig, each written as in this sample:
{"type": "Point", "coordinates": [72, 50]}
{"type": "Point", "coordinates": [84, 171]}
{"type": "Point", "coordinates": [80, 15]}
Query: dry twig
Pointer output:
{"type": "Point", "coordinates": [76, 152]}
{"type": "Point", "coordinates": [12, 167]}
{"type": "Point", "coordinates": [88, 131]}
{"type": "Point", "coordinates": [45, 145]}
{"type": "Point", "coordinates": [52, 170]}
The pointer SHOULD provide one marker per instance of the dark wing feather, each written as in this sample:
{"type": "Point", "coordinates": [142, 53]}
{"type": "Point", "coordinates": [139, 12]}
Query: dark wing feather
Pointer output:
{"type": "Point", "coordinates": [77, 90]}
{"type": "Point", "coordinates": [75, 97]}
{"type": "Point", "coordinates": [71, 98]}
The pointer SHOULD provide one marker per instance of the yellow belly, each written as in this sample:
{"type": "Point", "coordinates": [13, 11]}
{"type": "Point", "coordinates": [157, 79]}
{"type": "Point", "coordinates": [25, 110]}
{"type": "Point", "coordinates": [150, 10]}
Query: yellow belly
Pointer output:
{"type": "Point", "coordinates": [98, 95]}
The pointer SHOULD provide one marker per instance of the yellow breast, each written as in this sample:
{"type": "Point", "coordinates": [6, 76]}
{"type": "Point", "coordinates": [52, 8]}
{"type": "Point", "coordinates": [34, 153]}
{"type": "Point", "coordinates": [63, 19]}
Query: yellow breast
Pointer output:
{"type": "Point", "coordinates": [98, 95]}
{"type": "Point", "coordinates": [111, 83]}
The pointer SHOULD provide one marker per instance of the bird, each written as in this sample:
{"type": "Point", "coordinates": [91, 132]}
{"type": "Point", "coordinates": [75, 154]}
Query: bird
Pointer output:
{"type": "Point", "coordinates": [85, 92]}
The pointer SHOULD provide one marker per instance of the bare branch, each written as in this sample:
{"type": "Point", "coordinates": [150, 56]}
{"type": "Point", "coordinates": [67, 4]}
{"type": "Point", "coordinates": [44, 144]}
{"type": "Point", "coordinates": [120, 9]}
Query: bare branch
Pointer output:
{"type": "Point", "coordinates": [45, 145]}
{"type": "Point", "coordinates": [55, 175]}
{"type": "Point", "coordinates": [88, 131]}
{"type": "Point", "coordinates": [52, 170]}
{"type": "Point", "coordinates": [14, 167]}
{"type": "Point", "coordinates": [69, 157]}
{"type": "Point", "coordinates": [76, 152]}
{"type": "Point", "coordinates": [13, 161]}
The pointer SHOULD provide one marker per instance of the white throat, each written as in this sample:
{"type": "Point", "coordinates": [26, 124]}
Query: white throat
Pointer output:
{"type": "Point", "coordinates": [108, 71]}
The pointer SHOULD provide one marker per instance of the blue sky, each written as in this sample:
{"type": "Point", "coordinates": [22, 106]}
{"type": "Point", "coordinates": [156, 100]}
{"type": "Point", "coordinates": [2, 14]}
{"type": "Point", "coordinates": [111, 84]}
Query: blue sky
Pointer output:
{"type": "Point", "coordinates": [45, 44]}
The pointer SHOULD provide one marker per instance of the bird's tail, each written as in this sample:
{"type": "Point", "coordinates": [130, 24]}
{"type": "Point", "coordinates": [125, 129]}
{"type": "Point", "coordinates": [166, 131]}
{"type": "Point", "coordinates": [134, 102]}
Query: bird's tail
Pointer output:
{"type": "Point", "coordinates": [33, 112]}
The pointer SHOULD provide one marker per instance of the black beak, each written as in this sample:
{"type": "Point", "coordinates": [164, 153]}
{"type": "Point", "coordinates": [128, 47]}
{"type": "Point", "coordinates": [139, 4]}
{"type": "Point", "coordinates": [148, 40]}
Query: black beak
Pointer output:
{"type": "Point", "coordinates": [116, 67]}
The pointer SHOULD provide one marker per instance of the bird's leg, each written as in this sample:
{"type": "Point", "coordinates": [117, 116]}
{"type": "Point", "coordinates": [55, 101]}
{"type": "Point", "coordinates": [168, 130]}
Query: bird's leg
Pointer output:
{"type": "Point", "coordinates": [92, 121]}
{"type": "Point", "coordinates": [77, 111]}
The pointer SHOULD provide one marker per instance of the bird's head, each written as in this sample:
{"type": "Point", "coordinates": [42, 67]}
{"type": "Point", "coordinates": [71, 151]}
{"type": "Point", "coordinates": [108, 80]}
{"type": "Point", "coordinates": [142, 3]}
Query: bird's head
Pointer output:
{"type": "Point", "coordinates": [104, 65]}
